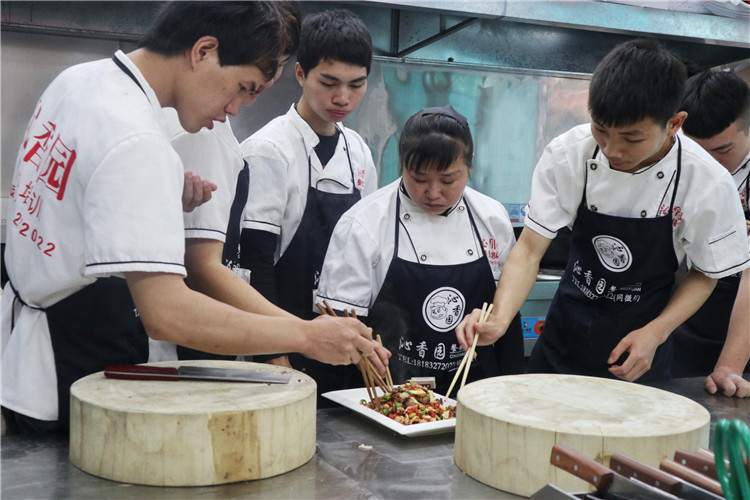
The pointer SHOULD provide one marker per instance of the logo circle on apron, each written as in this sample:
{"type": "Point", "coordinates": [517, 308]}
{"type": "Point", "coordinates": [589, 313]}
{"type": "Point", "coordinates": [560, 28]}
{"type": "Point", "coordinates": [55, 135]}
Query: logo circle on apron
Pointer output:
{"type": "Point", "coordinates": [613, 253]}
{"type": "Point", "coordinates": [443, 308]}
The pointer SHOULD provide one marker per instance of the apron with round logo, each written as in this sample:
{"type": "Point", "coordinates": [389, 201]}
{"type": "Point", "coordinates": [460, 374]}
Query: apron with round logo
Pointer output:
{"type": "Point", "coordinates": [420, 305]}
{"type": "Point", "coordinates": [619, 277]}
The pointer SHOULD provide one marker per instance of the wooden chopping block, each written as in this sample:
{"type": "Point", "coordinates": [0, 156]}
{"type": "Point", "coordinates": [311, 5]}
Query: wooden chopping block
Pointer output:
{"type": "Point", "coordinates": [506, 427]}
{"type": "Point", "coordinates": [192, 433]}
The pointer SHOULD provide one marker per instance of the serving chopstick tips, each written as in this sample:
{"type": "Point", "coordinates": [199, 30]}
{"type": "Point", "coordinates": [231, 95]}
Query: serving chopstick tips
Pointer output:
{"type": "Point", "coordinates": [388, 377]}
{"type": "Point", "coordinates": [466, 361]}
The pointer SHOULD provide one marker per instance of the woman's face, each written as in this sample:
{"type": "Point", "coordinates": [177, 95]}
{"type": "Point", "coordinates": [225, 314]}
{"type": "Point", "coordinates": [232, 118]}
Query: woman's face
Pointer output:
{"type": "Point", "coordinates": [437, 191]}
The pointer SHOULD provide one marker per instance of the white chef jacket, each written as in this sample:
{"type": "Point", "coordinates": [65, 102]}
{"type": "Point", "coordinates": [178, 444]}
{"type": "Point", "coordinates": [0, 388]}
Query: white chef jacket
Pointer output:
{"type": "Point", "coordinates": [708, 224]}
{"type": "Point", "coordinates": [214, 155]}
{"type": "Point", "coordinates": [97, 191]}
{"type": "Point", "coordinates": [278, 156]}
{"type": "Point", "coordinates": [362, 244]}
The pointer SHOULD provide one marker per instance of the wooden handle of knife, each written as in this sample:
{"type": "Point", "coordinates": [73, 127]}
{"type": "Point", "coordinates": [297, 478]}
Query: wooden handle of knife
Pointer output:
{"type": "Point", "coordinates": [691, 476]}
{"type": "Point", "coordinates": [697, 462]}
{"type": "Point", "coordinates": [630, 467]}
{"type": "Point", "coordinates": [141, 372]}
{"type": "Point", "coordinates": [581, 466]}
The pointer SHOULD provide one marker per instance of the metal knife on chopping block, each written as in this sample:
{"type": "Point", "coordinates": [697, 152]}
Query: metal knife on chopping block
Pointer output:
{"type": "Point", "coordinates": [167, 373]}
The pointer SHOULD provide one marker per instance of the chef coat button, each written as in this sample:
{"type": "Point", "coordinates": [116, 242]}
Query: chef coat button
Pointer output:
{"type": "Point", "coordinates": [660, 175]}
{"type": "Point", "coordinates": [423, 258]}
{"type": "Point", "coordinates": [594, 208]}
{"type": "Point", "coordinates": [407, 217]}
{"type": "Point", "coordinates": [461, 208]}
{"type": "Point", "coordinates": [470, 251]}
{"type": "Point", "coordinates": [643, 213]}
{"type": "Point", "coordinates": [593, 166]}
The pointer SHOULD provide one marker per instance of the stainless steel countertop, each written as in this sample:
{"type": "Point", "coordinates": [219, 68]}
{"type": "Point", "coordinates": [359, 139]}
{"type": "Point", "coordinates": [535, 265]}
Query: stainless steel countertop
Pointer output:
{"type": "Point", "coordinates": [396, 467]}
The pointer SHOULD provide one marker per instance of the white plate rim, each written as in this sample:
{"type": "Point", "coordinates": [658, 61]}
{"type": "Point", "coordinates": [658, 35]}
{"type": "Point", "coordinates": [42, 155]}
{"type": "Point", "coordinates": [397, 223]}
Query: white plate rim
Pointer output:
{"type": "Point", "coordinates": [350, 398]}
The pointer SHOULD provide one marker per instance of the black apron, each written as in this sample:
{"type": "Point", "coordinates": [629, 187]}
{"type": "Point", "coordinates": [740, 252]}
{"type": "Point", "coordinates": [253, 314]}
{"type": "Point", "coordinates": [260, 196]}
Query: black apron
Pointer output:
{"type": "Point", "coordinates": [619, 277]}
{"type": "Point", "coordinates": [298, 269]}
{"type": "Point", "coordinates": [699, 340]}
{"type": "Point", "coordinates": [418, 308]}
{"type": "Point", "coordinates": [230, 254]}
{"type": "Point", "coordinates": [94, 327]}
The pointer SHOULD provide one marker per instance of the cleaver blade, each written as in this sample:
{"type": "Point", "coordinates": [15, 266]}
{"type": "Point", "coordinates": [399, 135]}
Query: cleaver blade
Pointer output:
{"type": "Point", "coordinates": [146, 372]}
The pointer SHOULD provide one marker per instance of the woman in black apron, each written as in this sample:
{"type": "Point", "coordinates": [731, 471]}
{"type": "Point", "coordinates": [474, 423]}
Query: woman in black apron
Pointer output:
{"type": "Point", "coordinates": [411, 311]}
{"type": "Point", "coordinates": [698, 342]}
{"type": "Point", "coordinates": [581, 332]}
{"type": "Point", "coordinates": [418, 305]}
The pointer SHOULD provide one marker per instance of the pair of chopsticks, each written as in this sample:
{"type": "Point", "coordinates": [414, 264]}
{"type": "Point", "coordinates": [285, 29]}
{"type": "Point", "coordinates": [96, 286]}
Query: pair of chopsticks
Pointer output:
{"type": "Point", "coordinates": [372, 378]}
{"type": "Point", "coordinates": [465, 365]}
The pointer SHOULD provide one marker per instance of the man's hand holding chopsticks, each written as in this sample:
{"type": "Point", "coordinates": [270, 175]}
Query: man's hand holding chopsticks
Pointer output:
{"type": "Point", "coordinates": [489, 330]}
{"type": "Point", "coordinates": [340, 341]}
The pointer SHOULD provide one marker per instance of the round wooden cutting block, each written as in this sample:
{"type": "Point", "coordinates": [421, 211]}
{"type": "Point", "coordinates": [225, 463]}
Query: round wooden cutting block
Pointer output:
{"type": "Point", "coordinates": [192, 433]}
{"type": "Point", "coordinates": [506, 427]}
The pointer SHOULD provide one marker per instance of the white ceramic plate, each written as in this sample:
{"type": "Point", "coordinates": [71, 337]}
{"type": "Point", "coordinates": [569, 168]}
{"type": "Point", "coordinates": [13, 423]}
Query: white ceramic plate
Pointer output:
{"type": "Point", "coordinates": [351, 398]}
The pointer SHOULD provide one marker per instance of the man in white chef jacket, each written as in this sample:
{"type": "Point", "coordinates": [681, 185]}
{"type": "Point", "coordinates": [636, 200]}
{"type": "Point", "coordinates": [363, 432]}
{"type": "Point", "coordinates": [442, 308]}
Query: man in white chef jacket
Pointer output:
{"type": "Point", "coordinates": [639, 197]}
{"type": "Point", "coordinates": [306, 168]}
{"type": "Point", "coordinates": [715, 341]}
{"type": "Point", "coordinates": [97, 197]}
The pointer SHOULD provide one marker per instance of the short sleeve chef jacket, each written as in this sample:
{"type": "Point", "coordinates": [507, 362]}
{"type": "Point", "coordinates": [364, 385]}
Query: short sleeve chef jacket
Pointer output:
{"type": "Point", "coordinates": [278, 156]}
{"type": "Point", "coordinates": [96, 192]}
{"type": "Point", "coordinates": [362, 244]}
{"type": "Point", "coordinates": [214, 155]}
{"type": "Point", "coordinates": [708, 222]}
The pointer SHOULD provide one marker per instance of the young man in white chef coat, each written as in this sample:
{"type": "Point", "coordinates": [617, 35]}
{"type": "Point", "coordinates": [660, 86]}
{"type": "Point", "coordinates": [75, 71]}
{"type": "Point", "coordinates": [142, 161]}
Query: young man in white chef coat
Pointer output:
{"type": "Point", "coordinates": [638, 196]}
{"type": "Point", "coordinates": [715, 341]}
{"type": "Point", "coordinates": [306, 168]}
{"type": "Point", "coordinates": [96, 198]}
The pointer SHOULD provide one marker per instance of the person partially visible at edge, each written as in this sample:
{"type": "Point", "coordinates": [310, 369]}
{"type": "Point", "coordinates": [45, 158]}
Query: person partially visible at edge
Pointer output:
{"type": "Point", "coordinates": [639, 197]}
{"type": "Point", "coordinates": [95, 252]}
{"type": "Point", "coordinates": [306, 169]}
{"type": "Point", "coordinates": [416, 255]}
{"type": "Point", "coordinates": [715, 341]}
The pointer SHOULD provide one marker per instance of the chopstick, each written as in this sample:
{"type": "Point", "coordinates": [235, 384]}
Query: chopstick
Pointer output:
{"type": "Point", "coordinates": [388, 377]}
{"type": "Point", "coordinates": [470, 353]}
{"type": "Point", "coordinates": [371, 377]}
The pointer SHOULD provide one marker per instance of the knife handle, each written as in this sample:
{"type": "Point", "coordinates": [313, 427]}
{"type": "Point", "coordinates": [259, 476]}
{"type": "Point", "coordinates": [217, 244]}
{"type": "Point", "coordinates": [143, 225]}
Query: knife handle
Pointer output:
{"type": "Point", "coordinates": [630, 467]}
{"type": "Point", "coordinates": [581, 466]}
{"type": "Point", "coordinates": [697, 462]}
{"type": "Point", "coordinates": [691, 476]}
{"type": "Point", "coordinates": [141, 372]}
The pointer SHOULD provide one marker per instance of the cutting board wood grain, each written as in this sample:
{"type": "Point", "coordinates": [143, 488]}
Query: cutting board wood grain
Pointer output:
{"type": "Point", "coordinates": [506, 427]}
{"type": "Point", "coordinates": [192, 433]}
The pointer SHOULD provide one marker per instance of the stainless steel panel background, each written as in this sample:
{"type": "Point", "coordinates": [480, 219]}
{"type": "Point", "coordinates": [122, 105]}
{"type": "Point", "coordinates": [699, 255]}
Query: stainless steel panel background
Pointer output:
{"type": "Point", "coordinates": [512, 114]}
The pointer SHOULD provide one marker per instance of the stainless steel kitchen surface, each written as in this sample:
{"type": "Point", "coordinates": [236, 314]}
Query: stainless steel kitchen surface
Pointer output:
{"type": "Point", "coordinates": [387, 466]}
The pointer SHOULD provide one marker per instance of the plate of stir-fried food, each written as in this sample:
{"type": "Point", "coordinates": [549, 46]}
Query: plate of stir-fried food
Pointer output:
{"type": "Point", "coordinates": [409, 409]}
